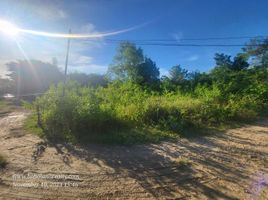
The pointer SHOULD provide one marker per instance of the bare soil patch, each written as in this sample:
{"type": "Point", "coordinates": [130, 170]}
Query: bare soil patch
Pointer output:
{"type": "Point", "coordinates": [231, 165]}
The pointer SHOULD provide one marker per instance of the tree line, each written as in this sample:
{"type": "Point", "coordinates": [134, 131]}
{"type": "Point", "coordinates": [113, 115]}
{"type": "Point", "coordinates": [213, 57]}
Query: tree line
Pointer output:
{"type": "Point", "coordinates": [132, 103]}
{"type": "Point", "coordinates": [130, 64]}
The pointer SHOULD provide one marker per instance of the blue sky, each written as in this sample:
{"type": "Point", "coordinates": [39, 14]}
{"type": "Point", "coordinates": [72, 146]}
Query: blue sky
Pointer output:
{"type": "Point", "coordinates": [167, 19]}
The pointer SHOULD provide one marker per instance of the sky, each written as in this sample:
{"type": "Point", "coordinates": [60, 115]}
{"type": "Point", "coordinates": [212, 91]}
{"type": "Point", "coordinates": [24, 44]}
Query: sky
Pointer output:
{"type": "Point", "coordinates": [153, 19]}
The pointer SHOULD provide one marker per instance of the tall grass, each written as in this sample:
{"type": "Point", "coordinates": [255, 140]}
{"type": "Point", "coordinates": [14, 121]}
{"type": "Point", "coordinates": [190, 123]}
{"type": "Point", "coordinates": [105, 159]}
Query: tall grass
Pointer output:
{"type": "Point", "coordinates": [122, 110]}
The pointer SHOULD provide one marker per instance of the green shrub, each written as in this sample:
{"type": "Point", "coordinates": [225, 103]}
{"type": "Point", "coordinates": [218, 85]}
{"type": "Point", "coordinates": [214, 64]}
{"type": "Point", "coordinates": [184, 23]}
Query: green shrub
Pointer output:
{"type": "Point", "coordinates": [112, 113]}
{"type": "Point", "coordinates": [171, 112]}
{"type": "Point", "coordinates": [243, 108]}
{"type": "Point", "coordinates": [76, 114]}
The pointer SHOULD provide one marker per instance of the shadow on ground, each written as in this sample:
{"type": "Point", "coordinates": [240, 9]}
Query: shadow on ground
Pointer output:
{"type": "Point", "coordinates": [161, 174]}
{"type": "Point", "coordinates": [218, 166]}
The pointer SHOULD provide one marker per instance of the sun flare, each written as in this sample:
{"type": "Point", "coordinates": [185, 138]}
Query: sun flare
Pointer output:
{"type": "Point", "coordinates": [8, 28]}
{"type": "Point", "coordinates": [12, 30]}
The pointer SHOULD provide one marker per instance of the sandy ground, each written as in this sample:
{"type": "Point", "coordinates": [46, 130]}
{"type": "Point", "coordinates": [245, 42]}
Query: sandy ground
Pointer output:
{"type": "Point", "coordinates": [231, 165]}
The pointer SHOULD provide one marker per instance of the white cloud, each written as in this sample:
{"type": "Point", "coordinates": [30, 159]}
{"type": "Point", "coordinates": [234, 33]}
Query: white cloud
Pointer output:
{"type": "Point", "coordinates": [163, 72]}
{"type": "Point", "coordinates": [90, 68]}
{"type": "Point", "coordinates": [62, 14]}
{"type": "Point", "coordinates": [3, 68]}
{"type": "Point", "coordinates": [50, 10]}
{"type": "Point", "coordinates": [85, 64]}
{"type": "Point", "coordinates": [178, 36]}
{"type": "Point", "coordinates": [88, 28]}
{"type": "Point", "coordinates": [51, 13]}
{"type": "Point", "coordinates": [193, 58]}
{"type": "Point", "coordinates": [80, 60]}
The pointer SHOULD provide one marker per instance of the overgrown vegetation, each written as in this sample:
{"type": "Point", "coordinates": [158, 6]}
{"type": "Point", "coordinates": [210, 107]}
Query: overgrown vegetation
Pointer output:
{"type": "Point", "coordinates": [137, 106]}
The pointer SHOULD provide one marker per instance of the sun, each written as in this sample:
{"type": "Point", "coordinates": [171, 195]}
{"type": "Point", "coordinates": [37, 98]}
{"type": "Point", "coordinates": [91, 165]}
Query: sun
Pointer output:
{"type": "Point", "coordinates": [8, 28]}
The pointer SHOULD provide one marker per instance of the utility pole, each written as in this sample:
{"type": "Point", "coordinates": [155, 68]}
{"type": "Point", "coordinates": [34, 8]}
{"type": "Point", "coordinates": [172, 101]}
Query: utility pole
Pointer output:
{"type": "Point", "coordinates": [66, 63]}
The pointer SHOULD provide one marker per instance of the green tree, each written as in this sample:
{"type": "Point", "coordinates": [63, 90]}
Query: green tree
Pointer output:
{"type": "Point", "coordinates": [97, 80]}
{"type": "Point", "coordinates": [33, 76]}
{"type": "Point", "coordinates": [178, 75]}
{"type": "Point", "coordinates": [239, 63]}
{"type": "Point", "coordinates": [131, 65]}
{"type": "Point", "coordinates": [148, 73]}
{"type": "Point", "coordinates": [223, 60]}
{"type": "Point", "coordinates": [197, 78]}
{"type": "Point", "coordinates": [6, 86]}
{"type": "Point", "coordinates": [257, 49]}
{"type": "Point", "coordinates": [88, 79]}
{"type": "Point", "coordinates": [80, 78]}
{"type": "Point", "coordinates": [126, 62]}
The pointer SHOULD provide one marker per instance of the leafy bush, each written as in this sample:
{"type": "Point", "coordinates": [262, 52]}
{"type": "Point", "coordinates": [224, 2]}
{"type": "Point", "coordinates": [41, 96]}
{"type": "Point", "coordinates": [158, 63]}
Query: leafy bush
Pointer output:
{"type": "Point", "coordinates": [119, 111]}
{"type": "Point", "coordinates": [243, 108]}
{"type": "Point", "coordinates": [75, 115]}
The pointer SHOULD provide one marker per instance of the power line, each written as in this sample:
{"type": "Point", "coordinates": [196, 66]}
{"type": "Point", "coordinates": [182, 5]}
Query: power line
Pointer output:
{"type": "Point", "coordinates": [175, 43]}
{"type": "Point", "coordinates": [183, 45]}
{"type": "Point", "coordinates": [195, 45]}
{"type": "Point", "coordinates": [184, 39]}
{"type": "Point", "coordinates": [208, 38]}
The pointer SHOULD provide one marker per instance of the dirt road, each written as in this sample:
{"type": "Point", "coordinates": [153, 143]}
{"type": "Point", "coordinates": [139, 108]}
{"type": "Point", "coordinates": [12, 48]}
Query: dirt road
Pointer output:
{"type": "Point", "coordinates": [231, 165]}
